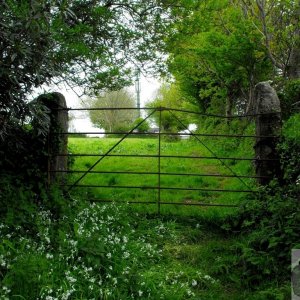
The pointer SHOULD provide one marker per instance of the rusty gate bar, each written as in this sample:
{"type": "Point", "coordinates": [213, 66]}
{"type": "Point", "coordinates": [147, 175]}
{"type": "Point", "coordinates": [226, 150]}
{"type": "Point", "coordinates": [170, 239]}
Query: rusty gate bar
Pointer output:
{"type": "Point", "coordinates": [168, 203]}
{"type": "Point", "coordinates": [172, 109]}
{"type": "Point", "coordinates": [159, 157]}
{"type": "Point", "coordinates": [156, 173]}
{"type": "Point", "coordinates": [161, 188]}
{"type": "Point", "coordinates": [171, 134]}
{"type": "Point", "coordinates": [170, 156]}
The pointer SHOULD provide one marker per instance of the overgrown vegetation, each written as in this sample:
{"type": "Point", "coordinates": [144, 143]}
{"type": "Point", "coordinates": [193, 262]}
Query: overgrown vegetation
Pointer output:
{"type": "Point", "coordinates": [75, 249]}
{"type": "Point", "coordinates": [271, 221]}
{"type": "Point", "coordinates": [60, 245]}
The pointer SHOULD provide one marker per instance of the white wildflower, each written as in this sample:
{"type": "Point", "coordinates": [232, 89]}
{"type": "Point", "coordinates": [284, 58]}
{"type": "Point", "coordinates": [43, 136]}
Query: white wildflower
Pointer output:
{"type": "Point", "coordinates": [49, 256]}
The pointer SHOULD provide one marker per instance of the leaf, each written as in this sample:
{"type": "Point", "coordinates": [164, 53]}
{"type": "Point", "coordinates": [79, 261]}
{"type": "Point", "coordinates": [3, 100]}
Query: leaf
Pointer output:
{"type": "Point", "coordinates": [9, 245]}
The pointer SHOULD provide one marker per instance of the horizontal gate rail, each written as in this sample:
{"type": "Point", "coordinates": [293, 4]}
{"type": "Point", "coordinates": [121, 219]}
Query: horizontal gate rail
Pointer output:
{"type": "Point", "coordinates": [156, 173]}
{"type": "Point", "coordinates": [167, 203]}
{"type": "Point", "coordinates": [160, 188]}
{"type": "Point", "coordinates": [166, 156]}
{"type": "Point", "coordinates": [170, 109]}
{"type": "Point", "coordinates": [170, 134]}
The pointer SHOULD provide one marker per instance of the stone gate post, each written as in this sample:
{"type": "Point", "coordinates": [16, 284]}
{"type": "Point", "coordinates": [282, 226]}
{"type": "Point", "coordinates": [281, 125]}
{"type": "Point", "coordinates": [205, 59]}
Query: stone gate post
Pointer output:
{"type": "Point", "coordinates": [57, 143]}
{"type": "Point", "coordinates": [267, 123]}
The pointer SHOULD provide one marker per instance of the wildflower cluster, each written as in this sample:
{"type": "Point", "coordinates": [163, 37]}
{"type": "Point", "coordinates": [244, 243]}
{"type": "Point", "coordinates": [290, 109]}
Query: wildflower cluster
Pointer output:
{"type": "Point", "coordinates": [99, 253]}
{"type": "Point", "coordinates": [186, 283]}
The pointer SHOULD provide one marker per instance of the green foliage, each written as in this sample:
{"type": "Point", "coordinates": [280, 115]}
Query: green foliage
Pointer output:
{"type": "Point", "coordinates": [96, 251]}
{"type": "Point", "coordinates": [289, 149]}
{"type": "Point", "coordinates": [24, 151]}
{"type": "Point", "coordinates": [291, 128]}
{"type": "Point", "coordinates": [26, 41]}
{"type": "Point", "coordinates": [271, 221]}
{"type": "Point", "coordinates": [110, 251]}
{"type": "Point", "coordinates": [271, 224]}
{"type": "Point", "coordinates": [219, 50]}
{"type": "Point", "coordinates": [144, 127]}
{"type": "Point", "coordinates": [84, 43]}
{"type": "Point", "coordinates": [289, 97]}
{"type": "Point", "coordinates": [169, 96]}
{"type": "Point", "coordinates": [217, 57]}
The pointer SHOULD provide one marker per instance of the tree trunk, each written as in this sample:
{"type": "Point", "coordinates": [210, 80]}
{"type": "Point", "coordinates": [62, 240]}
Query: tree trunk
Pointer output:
{"type": "Point", "coordinates": [229, 106]}
{"type": "Point", "coordinates": [293, 66]}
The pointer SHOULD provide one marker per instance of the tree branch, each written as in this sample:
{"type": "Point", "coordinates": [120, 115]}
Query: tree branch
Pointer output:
{"type": "Point", "coordinates": [260, 5]}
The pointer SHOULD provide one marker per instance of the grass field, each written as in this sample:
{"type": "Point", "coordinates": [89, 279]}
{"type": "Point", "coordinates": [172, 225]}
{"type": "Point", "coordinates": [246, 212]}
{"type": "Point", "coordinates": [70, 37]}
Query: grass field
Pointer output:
{"type": "Point", "coordinates": [145, 186]}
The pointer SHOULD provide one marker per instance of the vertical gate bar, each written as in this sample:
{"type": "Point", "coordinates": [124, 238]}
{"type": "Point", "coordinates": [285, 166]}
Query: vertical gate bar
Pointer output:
{"type": "Point", "coordinates": [159, 152]}
{"type": "Point", "coordinates": [48, 162]}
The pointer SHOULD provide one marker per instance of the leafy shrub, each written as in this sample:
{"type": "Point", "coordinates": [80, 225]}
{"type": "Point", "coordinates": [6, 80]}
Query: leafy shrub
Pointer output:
{"type": "Point", "coordinates": [144, 127]}
{"type": "Point", "coordinates": [272, 224]}
{"type": "Point", "coordinates": [289, 95]}
{"type": "Point", "coordinates": [23, 149]}
{"type": "Point", "coordinates": [271, 221]}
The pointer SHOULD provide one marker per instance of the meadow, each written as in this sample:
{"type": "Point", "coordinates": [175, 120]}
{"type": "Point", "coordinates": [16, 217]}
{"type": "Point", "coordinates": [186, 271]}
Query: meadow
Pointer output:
{"type": "Point", "coordinates": [202, 172]}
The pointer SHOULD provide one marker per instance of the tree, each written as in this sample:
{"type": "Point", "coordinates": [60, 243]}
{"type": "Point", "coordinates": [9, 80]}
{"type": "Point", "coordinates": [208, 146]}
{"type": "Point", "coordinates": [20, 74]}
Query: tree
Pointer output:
{"type": "Point", "coordinates": [220, 50]}
{"type": "Point", "coordinates": [277, 21]}
{"type": "Point", "coordinates": [168, 96]}
{"type": "Point", "coordinates": [87, 43]}
{"type": "Point", "coordinates": [113, 120]}
{"type": "Point", "coordinates": [143, 127]}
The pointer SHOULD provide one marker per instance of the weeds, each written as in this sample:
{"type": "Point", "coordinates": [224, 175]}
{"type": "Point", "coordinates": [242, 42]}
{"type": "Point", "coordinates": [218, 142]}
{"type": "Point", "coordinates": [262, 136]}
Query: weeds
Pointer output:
{"type": "Point", "coordinates": [102, 252]}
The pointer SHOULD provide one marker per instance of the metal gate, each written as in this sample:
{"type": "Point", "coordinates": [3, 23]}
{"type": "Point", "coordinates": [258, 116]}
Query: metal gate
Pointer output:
{"type": "Point", "coordinates": [159, 173]}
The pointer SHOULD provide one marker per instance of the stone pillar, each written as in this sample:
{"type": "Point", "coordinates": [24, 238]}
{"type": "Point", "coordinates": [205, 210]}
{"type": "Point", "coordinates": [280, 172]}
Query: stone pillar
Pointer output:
{"type": "Point", "coordinates": [268, 123]}
{"type": "Point", "coordinates": [57, 143]}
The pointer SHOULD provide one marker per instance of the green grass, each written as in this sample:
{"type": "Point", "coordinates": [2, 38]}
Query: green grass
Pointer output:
{"type": "Point", "coordinates": [169, 165]}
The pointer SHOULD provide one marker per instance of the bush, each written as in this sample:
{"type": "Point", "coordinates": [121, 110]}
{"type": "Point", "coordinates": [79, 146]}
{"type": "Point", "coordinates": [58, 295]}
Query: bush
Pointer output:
{"type": "Point", "coordinates": [289, 95]}
{"type": "Point", "coordinates": [23, 150]}
{"type": "Point", "coordinates": [144, 127]}
{"type": "Point", "coordinates": [271, 221]}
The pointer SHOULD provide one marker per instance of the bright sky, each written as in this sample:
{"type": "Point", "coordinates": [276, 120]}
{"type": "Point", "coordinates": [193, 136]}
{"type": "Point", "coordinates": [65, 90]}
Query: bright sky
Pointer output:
{"type": "Point", "coordinates": [149, 87]}
{"type": "Point", "coordinates": [82, 123]}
